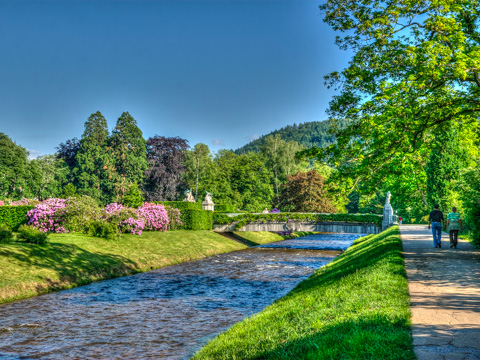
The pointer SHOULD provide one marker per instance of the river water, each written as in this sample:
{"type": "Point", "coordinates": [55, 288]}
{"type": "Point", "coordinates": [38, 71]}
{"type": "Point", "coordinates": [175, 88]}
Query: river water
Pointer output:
{"type": "Point", "coordinates": [168, 313]}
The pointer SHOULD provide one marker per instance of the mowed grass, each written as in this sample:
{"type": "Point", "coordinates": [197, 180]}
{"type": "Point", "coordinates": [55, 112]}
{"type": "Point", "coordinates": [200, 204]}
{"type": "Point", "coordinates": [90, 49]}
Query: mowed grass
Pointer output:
{"type": "Point", "coordinates": [266, 237]}
{"type": "Point", "coordinates": [72, 259]}
{"type": "Point", "coordinates": [357, 307]}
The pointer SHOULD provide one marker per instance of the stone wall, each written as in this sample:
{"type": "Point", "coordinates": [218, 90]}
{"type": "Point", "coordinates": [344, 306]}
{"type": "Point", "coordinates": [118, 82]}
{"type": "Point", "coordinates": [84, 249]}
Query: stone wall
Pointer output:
{"type": "Point", "coordinates": [333, 227]}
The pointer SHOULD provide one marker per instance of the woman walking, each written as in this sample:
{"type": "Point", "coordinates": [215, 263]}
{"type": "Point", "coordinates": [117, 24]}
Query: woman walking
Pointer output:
{"type": "Point", "coordinates": [454, 224]}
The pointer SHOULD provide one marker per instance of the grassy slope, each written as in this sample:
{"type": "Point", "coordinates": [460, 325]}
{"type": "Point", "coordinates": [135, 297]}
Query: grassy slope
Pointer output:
{"type": "Point", "coordinates": [357, 307]}
{"type": "Point", "coordinates": [266, 237]}
{"type": "Point", "coordinates": [71, 260]}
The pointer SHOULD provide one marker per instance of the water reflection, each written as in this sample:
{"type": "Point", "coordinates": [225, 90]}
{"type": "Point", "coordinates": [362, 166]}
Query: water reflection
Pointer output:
{"type": "Point", "coordinates": [163, 314]}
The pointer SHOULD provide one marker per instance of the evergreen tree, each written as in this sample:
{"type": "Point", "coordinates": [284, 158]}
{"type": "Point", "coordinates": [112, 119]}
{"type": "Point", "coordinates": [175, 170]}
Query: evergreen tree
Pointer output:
{"type": "Point", "coordinates": [129, 150]}
{"type": "Point", "coordinates": [95, 169]}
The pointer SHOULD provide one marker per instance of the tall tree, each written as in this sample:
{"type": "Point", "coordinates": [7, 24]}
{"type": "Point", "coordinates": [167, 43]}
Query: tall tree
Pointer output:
{"type": "Point", "coordinates": [13, 169]}
{"type": "Point", "coordinates": [166, 168]}
{"type": "Point", "coordinates": [305, 192]}
{"type": "Point", "coordinates": [129, 150]}
{"type": "Point", "coordinates": [198, 161]}
{"type": "Point", "coordinates": [279, 157]}
{"type": "Point", "coordinates": [95, 169]}
{"type": "Point", "coordinates": [68, 151]}
{"type": "Point", "coordinates": [415, 66]}
{"type": "Point", "coordinates": [47, 176]}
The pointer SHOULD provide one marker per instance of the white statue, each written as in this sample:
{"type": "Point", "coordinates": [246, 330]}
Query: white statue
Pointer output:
{"type": "Point", "coordinates": [387, 213]}
{"type": "Point", "coordinates": [189, 196]}
{"type": "Point", "coordinates": [208, 198]}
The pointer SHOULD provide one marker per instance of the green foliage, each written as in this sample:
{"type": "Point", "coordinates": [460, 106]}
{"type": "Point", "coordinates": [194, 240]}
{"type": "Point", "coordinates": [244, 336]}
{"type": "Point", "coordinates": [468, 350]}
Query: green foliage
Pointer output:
{"type": "Point", "coordinates": [129, 153]}
{"type": "Point", "coordinates": [197, 219]}
{"type": "Point", "coordinates": [95, 171]}
{"type": "Point", "coordinates": [198, 163]}
{"type": "Point", "coordinates": [181, 205]}
{"type": "Point", "coordinates": [309, 134]}
{"type": "Point", "coordinates": [104, 230]}
{"type": "Point", "coordinates": [241, 220]}
{"type": "Point", "coordinates": [227, 208]}
{"type": "Point", "coordinates": [69, 190]}
{"type": "Point", "coordinates": [14, 216]}
{"type": "Point", "coordinates": [47, 176]}
{"type": "Point", "coordinates": [79, 213]}
{"type": "Point", "coordinates": [14, 169]}
{"type": "Point", "coordinates": [31, 235]}
{"type": "Point", "coordinates": [6, 234]}
{"type": "Point", "coordinates": [133, 197]}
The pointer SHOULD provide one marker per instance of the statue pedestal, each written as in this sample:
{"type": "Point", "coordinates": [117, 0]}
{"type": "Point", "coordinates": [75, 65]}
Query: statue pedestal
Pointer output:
{"type": "Point", "coordinates": [208, 206]}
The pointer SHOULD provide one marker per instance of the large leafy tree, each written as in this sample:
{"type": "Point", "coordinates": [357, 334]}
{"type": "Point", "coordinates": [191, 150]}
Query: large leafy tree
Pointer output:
{"type": "Point", "coordinates": [47, 176]}
{"type": "Point", "coordinates": [198, 162]}
{"type": "Point", "coordinates": [416, 65]}
{"type": "Point", "coordinates": [129, 151]}
{"type": "Point", "coordinates": [305, 192]}
{"type": "Point", "coordinates": [166, 168]}
{"type": "Point", "coordinates": [13, 169]}
{"type": "Point", "coordinates": [279, 157]}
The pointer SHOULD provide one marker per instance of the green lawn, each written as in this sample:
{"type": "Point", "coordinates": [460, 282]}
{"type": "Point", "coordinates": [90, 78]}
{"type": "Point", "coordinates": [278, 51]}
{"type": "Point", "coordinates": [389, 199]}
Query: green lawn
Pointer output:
{"type": "Point", "coordinates": [357, 307]}
{"type": "Point", "coordinates": [265, 237]}
{"type": "Point", "coordinates": [72, 259]}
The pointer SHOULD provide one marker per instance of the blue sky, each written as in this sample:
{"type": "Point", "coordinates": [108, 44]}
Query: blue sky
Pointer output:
{"type": "Point", "coordinates": [219, 72]}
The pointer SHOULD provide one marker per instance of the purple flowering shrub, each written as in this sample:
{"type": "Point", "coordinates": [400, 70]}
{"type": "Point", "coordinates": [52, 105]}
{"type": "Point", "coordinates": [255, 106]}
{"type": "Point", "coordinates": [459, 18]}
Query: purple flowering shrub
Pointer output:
{"type": "Point", "coordinates": [47, 216]}
{"type": "Point", "coordinates": [124, 218]}
{"type": "Point", "coordinates": [174, 218]}
{"type": "Point", "coordinates": [274, 211]}
{"type": "Point", "coordinates": [155, 216]}
{"type": "Point", "coordinates": [2, 203]}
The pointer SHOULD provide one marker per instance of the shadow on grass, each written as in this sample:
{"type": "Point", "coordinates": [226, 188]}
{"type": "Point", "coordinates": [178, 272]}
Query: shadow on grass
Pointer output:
{"type": "Point", "coordinates": [372, 337]}
{"type": "Point", "coordinates": [364, 253]}
{"type": "Point", "coordinates": [72, 264]}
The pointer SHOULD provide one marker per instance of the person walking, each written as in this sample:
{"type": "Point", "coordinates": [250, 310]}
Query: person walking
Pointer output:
{"type": "Point", "coordinates": [454, 224]}
{"type": "Point", "coordinates": [435, 219]}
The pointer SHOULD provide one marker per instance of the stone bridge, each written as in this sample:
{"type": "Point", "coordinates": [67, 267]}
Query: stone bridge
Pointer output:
{"type": "Point", "coordinates": [326, 226]}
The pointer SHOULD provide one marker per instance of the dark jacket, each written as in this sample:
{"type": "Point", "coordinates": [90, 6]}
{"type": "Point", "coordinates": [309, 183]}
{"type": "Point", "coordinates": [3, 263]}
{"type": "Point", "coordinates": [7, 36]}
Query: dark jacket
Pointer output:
{"type": "Point", "coordinates": [435, 216]}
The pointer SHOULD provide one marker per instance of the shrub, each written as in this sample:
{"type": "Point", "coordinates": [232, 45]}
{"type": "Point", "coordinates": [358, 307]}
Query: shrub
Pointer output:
{"type": "Point", "coordinates": [104, 229]}
{"type": "Point", "coordinates": [47, 217]}
{"type": "Point", "coordinates": [5, 234]}
{"type": "Point", "coordinates": [79, 212]}
{"type": "Point", "coordinates": [124, 218]}
{"type": "Point", "coordinates": [228, 208]}
{"type": "Point", "coordinates": [174, 218]}
{"type": "Point", "coordinates": [181, 205]}
{"type": "Point", "coordinates": [133, 197]}
{"type": "Point", "coordinates": [154, 215]}
{"type": "Point", "coordinates": [25, 202]}
{"type": "Point", "coordinates": [197, 219]}
{"type": "Point", "coordinates": [14, 216]}
{"type": "Point", "coordinates": [31, 235]}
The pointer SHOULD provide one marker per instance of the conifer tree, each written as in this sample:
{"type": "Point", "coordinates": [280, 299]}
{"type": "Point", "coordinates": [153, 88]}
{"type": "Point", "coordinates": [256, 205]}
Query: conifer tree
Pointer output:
{"type": "Point", "coordinates": [129, 150]}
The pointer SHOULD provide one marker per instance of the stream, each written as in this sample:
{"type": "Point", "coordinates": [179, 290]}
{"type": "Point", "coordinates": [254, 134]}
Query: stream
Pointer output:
{"type": "Point", "coordinates": [169, 313]}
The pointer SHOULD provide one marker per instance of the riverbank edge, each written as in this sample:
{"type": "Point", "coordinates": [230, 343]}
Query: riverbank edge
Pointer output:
{"type": "Point", "coordinates": [356, 307]}
{"type": "Point", "coordinates": [52, 267]}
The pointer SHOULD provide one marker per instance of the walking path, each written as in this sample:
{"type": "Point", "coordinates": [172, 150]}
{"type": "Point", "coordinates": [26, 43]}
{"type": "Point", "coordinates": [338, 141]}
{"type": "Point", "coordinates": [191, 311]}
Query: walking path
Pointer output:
{"type": "Point", "coordinates": [444, 289]}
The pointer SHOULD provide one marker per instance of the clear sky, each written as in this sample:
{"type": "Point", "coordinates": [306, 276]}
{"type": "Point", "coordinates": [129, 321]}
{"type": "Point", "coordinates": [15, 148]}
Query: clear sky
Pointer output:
{"type": "Point", "coordinates": [219, 72]}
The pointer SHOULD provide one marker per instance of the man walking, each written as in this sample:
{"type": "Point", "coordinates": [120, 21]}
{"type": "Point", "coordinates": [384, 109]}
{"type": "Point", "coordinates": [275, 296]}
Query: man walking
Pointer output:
{"type": "Point", "coordinates": [435, 219]}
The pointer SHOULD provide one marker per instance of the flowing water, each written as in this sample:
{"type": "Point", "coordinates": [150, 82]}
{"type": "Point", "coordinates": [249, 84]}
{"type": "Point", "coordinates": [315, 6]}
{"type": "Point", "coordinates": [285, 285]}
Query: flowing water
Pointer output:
{"type": "Point", "coordinates": [167, 313]}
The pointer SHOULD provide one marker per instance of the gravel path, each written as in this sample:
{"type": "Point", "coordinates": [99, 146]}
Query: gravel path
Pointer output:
{"type": "Point", "coordinates": [444, 287]}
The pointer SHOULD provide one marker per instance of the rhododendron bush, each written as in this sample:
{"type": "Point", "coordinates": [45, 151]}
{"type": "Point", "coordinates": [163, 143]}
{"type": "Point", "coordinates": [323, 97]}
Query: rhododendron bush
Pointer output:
{"type": "Point", "coordinates": [46, 216]}
{"type": "Point", "coordinates": [80, 213]}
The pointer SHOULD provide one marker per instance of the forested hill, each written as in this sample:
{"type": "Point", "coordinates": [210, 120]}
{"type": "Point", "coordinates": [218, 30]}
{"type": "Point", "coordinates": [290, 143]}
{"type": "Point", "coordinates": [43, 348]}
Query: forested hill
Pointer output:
{"type": "Point", "coordinates": [308, 134]}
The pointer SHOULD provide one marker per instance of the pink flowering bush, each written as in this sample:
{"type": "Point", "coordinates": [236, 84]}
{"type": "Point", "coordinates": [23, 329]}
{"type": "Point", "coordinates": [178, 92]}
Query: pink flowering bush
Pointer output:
{"type": "Point", "coordinates": [2, 203]}
{"type": "Point", "coordinates": [124, 218]}
{"type": "Point", "coordinates": [155, 216]}
{"type": "Point", "coordinates": [46, 216]}
{"type": "Point", "coordinates": [113, 208]}
{"type": "Point", "coordinates": [25, 201]}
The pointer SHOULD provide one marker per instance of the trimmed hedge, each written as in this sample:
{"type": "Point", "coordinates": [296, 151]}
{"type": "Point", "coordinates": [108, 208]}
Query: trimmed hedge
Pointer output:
{"type": "Point", "coordinates": [181, 205]}
{"type": "Point", "coordinates": [197, 219]}
{"type": "Point", "coordinates": [227, 208]}
{"type": "Point", "coordinates": [244, 219]}
{"type": "Point", "coordinates": [14, 216]}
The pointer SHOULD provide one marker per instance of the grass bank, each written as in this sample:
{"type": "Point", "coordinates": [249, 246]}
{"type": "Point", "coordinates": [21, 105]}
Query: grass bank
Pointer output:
{"type": "Point", "coordinates": [357, 307]}
{"type": "Point", "coordinates": [71, 260]}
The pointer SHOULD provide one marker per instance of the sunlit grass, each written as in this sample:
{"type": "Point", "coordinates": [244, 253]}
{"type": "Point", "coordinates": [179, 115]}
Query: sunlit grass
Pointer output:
{"type": "Point", "coordinates": [357, 307]}
{"type": "Point", "coordinates": [73, 259]}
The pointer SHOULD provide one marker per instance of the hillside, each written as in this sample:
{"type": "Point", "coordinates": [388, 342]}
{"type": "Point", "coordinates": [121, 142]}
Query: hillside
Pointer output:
{"type": "Point", "coordinates": [308, 134]}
